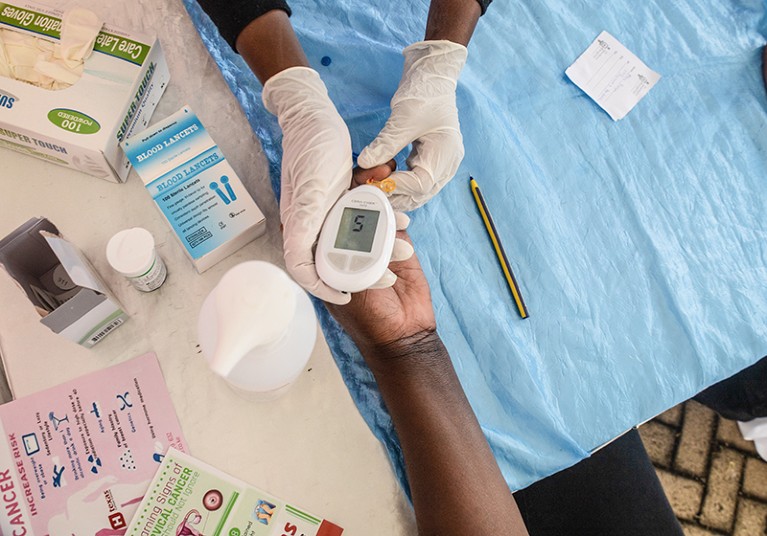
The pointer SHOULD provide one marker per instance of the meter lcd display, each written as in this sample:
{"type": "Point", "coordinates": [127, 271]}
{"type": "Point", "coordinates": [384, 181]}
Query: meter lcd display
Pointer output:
{"type": "Point", "coordinates": [357, 229]}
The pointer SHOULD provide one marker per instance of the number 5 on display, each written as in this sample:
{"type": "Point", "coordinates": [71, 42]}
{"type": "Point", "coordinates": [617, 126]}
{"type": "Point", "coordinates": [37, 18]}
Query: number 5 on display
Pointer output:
{"type": "Point", "coordinates": [358, 220]}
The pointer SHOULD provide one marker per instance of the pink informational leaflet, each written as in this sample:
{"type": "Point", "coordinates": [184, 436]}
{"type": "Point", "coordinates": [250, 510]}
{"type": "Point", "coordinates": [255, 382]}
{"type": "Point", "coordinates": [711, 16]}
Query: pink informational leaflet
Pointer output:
{"type": "Point", "coordinates": [76, 459]}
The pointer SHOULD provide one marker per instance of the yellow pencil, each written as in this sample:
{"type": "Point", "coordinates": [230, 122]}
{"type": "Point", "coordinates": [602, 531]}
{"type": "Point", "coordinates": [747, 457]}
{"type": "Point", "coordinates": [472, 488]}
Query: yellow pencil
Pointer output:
{"type": "Point", "coordinates": [505, 265]}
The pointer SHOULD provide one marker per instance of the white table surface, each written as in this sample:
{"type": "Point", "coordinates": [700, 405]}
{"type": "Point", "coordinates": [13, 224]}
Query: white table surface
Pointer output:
{"type": "Point", "coordinates": [310, 446]}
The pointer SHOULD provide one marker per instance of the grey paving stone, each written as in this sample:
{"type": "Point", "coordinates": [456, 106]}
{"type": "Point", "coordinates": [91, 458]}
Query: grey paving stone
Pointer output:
{"type": "Point", "coordinates": [733, 500]}
{"type": "Point", "coordinates": [722, 490]}
{"type": "Point", "coordinates": [695, 530]}
{"type": "Point", "coordinates": [672, 416]}
{"type": "Point", "coordinates": [697, 431]}
{"type": "Point", "coordinates": [728, 432]}
{"type": "Point", "coordinates": [755, 478]}
{"type": "Point", "coordinates": [658, 440]}
{"type": "Point", "coordinates": [684, 494]}
{"type": "Point", "coordinates": [752, 519]}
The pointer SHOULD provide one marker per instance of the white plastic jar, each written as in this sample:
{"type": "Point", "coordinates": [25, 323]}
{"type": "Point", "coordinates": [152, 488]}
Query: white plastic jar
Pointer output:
{"type": "Point", "coordinates": [257, 330]}
{"type": "Point", "coordinates": [132, 254]}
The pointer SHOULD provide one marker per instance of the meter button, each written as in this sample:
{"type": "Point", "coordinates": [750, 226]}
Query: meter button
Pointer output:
{"type": "Point", "coordinates": [338, 260]}
{"type": "Point", "coordinates": [359, 263]}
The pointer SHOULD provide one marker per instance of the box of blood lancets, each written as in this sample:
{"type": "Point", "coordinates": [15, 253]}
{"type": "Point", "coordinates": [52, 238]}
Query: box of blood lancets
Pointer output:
{"type": "Point", "coordinates": [189, 497]}
{"type": "Point", "coordinates": [79, 126]}
{"type": "Point", "coordinates": [195, 188]}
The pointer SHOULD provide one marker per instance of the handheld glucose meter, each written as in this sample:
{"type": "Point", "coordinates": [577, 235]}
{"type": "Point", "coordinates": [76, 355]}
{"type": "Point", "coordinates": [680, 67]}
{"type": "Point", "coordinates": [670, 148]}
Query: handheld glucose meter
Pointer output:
{"type": "Point", "coordinates": [356, 241]}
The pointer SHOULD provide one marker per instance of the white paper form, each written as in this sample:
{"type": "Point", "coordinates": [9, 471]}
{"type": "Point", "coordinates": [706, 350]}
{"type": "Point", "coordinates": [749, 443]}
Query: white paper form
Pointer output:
{"type": "Point", "coordinates": [612, 76]}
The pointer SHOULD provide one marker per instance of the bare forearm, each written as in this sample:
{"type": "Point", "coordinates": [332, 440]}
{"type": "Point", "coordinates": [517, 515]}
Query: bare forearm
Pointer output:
{"type": "Point", "coordinates": [452, 20]}
{"type": "Point", "coordinates": [456, 485]}
{"type": "Point", "coordinates": [269, 45]}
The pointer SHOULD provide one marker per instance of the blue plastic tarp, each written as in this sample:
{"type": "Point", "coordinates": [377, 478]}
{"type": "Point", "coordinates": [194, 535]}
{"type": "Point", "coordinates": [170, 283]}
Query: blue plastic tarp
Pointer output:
{"type": "Point", "coordinates": [640, 246]}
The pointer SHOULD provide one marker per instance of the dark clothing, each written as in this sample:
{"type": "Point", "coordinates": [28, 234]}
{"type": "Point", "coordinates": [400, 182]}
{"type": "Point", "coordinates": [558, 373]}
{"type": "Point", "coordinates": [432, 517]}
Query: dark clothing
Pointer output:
{"type": "Point", "coordinates": [483, 4]}
{"type": "Point", "coordinates": [614, 492]}
{"type": "Point", "coordinates": [232, 17]}
{"type": "Point", "coordinates": [741, 397]}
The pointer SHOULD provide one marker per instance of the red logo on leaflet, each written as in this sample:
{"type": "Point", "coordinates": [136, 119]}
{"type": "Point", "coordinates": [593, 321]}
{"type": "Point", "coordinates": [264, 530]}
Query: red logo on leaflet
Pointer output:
{"type": "Point", "coordinates": [117, 521]}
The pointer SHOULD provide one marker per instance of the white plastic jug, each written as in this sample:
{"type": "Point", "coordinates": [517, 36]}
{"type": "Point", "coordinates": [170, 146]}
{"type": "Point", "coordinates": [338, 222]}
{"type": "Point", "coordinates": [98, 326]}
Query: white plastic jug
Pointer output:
{"type": "Point", "coordinates": [257, 328]}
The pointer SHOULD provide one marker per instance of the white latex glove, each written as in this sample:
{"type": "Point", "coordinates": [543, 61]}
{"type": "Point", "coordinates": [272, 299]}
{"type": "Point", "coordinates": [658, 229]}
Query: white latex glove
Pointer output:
{"type": "Point", "coordinates": [21, 52]}
{"type": "Point", "coordinates": [39, 62]}
{"type": "Point", "coordinates": [402, 251]}
{"type": "Point", "coordinates": [5, 62]}
{"type": "Point", "coordinates": [79, 29]}
{"type": "Point", "coordinates": [424, 113]}
{"type": "Point", "coordinates": [316, 171]}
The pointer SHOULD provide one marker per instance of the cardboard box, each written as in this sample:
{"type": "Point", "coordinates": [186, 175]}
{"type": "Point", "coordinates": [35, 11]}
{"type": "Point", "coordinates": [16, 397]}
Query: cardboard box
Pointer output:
{"type": "Point", "coordinates": [195, 188]}
{"type": "Point", "coordinates": [64, 288]}
{"type": "Point", "coordinates": [82, 126]}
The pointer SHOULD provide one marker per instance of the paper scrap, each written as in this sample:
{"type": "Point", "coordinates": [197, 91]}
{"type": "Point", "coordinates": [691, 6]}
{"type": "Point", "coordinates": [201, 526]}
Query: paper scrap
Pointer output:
{"type": "Point", "coordinates": [612, 76]}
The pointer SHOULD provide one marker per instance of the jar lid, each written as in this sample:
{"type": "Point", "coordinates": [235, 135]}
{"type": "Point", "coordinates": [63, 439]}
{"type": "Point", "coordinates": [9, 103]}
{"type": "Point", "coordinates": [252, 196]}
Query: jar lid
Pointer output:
{"type": "Point", "coordinates": [131, 252]}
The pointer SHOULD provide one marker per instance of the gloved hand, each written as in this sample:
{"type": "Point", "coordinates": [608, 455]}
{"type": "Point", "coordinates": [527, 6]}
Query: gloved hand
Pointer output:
{"type": "Point", "coordinates": [316, 168]}
{"type": "Point", "coordinates": [402, 249]}
{"type": "Point", "coordinates": [424, 113]}
{"type": "Point", "coordinates": [316, 171]}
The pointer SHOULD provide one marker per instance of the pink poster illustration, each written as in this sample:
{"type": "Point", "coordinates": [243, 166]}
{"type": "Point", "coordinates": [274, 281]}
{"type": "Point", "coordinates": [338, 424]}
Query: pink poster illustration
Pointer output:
{"type": "Point", "coordinates": [77, 459]}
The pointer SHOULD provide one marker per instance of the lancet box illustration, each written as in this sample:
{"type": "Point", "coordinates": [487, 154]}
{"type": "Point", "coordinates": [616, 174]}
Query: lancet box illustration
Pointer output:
{"type": "Point", "coordinates": [75, 116]}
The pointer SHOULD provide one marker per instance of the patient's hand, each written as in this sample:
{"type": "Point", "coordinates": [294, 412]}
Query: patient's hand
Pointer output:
{"type": "Point", "coordinates": [382, 321]}
{"type": "Point", "coordinates": [361, 176]}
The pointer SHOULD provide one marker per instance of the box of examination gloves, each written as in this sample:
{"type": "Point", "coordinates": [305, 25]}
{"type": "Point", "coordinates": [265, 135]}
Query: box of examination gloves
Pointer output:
{"type": "Point", "coordinates": [72, 88]}
{"type": "Point", "coordinates": [195, 188]}
{"type": "Point", "coordinates": [63, 287]}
